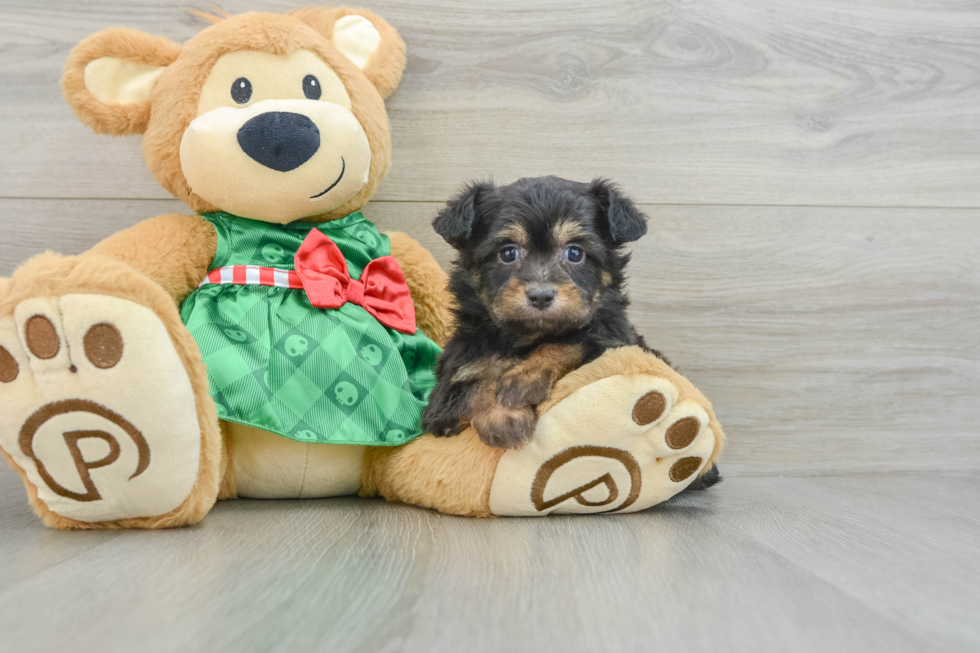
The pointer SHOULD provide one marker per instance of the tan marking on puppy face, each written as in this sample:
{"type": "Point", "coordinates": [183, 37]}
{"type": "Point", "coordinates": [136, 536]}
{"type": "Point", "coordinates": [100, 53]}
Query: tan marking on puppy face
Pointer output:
{"type": "Point", "coordinates": [567, 312]}
{"type": "Point", "coordinates": [245, 186]}
{"type": "Point", "coordinates": [511, 301]}
{"type": "Point", "coordinates": [607, 278]}
{"type": "Point", "coordinates": [570, 305]}
{"type": "Point", "coordinates": [515, 233]}
{"type": "Point", "coordinates": [567, 231]}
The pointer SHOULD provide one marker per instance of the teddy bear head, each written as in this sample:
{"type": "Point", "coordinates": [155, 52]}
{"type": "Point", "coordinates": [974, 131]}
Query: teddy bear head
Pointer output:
{"type": "Point", "coordinates": [265, 116]}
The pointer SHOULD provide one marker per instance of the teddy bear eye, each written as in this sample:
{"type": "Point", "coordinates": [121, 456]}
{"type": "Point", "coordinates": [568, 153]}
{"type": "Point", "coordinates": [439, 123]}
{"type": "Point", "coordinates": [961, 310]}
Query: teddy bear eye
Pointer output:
{"type": "Point", "coordinates": [241, 90]}
{"type": "Point", "coordinates": [574, 254]}
{"type": "Point", "coordinates": [311, 87]}
{"type": "Point", "coordinates": [508, 254]}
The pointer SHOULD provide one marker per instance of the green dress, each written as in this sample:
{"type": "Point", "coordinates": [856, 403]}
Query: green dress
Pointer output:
{"type": "Point", "coordinates": [277, 363]}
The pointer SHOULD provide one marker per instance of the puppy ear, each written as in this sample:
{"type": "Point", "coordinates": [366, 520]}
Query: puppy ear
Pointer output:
{"type": "Point", "coordinates": [110, 75]}
{"type": "Point", "coordinates": [365, 38]}
{"type": "Point", "coordinates": [455, 222]}
{"type": "Point", "coordinates": [626, 222]}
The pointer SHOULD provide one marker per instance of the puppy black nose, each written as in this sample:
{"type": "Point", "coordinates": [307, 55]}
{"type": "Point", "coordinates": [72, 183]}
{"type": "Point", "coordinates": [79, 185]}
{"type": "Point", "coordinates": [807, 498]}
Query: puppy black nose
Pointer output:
{"type": "Point", "coordinates": [280, 140]}
{"type": "Point", "coordinates": [540, 297]}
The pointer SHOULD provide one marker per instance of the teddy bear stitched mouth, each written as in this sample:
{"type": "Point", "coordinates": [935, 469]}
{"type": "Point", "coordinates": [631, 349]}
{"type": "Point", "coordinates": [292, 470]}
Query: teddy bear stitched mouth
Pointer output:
{"type": "Point", "coordinates": [343, 168]}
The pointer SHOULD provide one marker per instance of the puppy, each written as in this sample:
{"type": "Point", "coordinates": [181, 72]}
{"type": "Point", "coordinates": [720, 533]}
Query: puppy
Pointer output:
{"type": "Point", "coordinates": [538, 283]}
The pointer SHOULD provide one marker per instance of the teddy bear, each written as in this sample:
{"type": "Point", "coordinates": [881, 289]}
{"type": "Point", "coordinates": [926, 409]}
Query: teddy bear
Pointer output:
{"type": "Point", "coordinates": [272, 343]}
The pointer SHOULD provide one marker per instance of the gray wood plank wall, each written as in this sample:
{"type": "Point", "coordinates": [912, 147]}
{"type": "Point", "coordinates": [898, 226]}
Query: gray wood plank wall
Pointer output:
{"type": "Point", "coordinates": [810, 170]}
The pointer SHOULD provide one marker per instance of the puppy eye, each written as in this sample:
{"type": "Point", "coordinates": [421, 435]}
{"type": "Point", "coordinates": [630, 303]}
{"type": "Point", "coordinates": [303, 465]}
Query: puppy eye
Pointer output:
{"type": "Point", "coordinates": [574, 254]}
{"type": "Point", "coordinates": [241, 90]}
{"type": "Point", "coordinates": [508, 254]}
{"type": "Point", "coordinates": [311, 88]}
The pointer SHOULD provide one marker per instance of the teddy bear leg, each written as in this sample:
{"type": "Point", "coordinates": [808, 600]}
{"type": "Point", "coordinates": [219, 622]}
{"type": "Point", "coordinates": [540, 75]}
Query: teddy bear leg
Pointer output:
{"type": "Point", "coordinates": [620, 434]}
{"type": "Point", "coordinates": [451, 475]}
{"type": "Point", "coordinates": [104, 405]}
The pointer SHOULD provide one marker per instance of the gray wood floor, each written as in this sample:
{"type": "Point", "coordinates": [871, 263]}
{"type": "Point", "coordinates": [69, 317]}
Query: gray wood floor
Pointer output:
{"type": "Point", "coordinates": [811, 172]}
{"type": "Point", "coordinates": [842, 563]}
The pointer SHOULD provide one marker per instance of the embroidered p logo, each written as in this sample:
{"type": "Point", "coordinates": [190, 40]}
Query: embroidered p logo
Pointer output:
{"type": "Point", "coordinates": [540, 484]}
{"type": "Point", "coordinates": [72, 438]}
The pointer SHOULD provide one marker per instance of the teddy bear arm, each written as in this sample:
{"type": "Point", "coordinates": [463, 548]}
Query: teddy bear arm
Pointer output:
{"type": "Point", "coordinates": [172, 250]}
{"type": "Point", "coordinates": [428, 284]}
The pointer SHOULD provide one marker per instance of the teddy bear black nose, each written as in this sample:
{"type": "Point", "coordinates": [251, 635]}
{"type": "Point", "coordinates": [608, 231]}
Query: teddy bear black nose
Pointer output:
{"type": "Point", "coordinates": [280, 140]}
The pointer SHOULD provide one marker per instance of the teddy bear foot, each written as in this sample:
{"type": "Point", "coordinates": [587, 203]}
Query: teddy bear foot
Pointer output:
{"type": "Point", "coordinates": [621, 443]}
{"type": "Point", "coordinates": [621, 434]}
{"type": "Point", "coordinates": [98, 413]}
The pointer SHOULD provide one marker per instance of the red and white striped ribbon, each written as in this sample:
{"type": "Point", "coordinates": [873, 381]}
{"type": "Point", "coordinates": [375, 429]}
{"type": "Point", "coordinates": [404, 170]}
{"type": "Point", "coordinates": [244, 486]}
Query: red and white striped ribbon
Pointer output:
{"type": "Point", "coordinates": [253, 275]}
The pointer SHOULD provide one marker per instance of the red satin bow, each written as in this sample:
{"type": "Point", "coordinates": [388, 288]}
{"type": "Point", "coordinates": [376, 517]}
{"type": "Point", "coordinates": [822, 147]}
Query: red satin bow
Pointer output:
{"type": "Point", "coordinates": [382, 290]}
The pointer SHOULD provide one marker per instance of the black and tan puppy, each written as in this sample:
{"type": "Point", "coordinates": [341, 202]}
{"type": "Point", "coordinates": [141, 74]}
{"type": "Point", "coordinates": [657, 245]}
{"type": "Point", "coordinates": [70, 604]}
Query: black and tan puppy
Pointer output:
{"type": "Point", "coordinates": [539, 285]}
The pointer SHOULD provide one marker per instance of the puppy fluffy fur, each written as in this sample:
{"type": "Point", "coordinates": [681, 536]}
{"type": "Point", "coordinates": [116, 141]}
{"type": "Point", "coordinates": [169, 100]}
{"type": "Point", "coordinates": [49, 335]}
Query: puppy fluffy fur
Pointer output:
{"type": "Point", "coordinates": [539, 285]}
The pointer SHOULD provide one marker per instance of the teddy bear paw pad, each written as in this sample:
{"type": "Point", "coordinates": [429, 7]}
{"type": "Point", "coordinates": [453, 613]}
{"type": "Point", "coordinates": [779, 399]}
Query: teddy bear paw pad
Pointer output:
{"type": "Point", "coordinates": [97, 407]}
{"type": "Point", "coordinates": [621, 444]}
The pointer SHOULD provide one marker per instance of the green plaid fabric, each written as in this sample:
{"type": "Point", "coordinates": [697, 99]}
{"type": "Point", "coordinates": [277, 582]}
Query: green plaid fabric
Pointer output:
{"type": "Point", "coordinates": [277, 363]}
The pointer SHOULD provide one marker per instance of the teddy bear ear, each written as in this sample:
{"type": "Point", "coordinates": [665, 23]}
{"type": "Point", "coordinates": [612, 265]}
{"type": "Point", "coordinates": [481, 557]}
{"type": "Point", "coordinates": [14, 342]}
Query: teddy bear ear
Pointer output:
{"type": "Point", "coordinates": [366, 39]}
{"type": "Point", "coordinates": [109, 76]}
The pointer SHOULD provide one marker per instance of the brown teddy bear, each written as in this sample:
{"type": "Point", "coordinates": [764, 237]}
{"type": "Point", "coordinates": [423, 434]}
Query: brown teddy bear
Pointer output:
{"type": "Point", "coordinates": [275, 344]}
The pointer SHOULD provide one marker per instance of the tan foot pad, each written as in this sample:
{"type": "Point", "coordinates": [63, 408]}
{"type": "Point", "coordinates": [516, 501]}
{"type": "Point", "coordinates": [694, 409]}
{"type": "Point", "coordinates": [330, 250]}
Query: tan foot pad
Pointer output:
{"type": "Point", "coordinates": [97, 408]}
{"type": "Point", "coordinates": [621, 444]}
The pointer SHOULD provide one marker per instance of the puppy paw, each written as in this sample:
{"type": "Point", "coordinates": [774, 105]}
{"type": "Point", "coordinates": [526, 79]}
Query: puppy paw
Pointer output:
{"type": "Point", "coordinates": [522, 389]}
{"type": "Point", "coordinates": [504, 427]}
{"type": "Point", "coordinates": [443, 429]}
